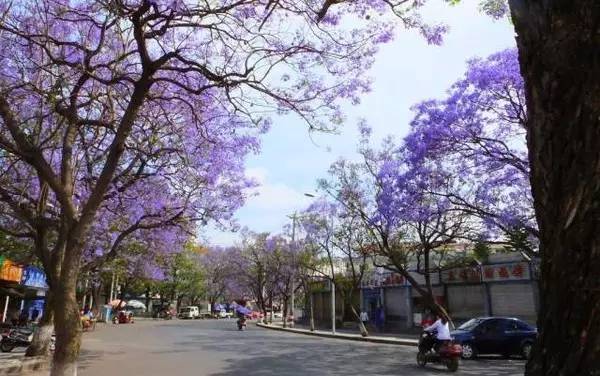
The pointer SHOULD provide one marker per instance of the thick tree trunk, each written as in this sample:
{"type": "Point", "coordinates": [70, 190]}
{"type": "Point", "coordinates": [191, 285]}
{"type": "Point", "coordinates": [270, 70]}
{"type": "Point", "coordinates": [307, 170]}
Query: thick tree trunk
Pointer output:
{"type": "Point", "coordinates": [68, 330]}
{"type": "Point", "coordinates": [40, 344]}
{"type": "Point", "coordinates": [559, 53]}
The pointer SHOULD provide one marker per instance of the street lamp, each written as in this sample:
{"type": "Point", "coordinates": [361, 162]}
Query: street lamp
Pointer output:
{"type": "Point", "coordinates": [294, 217]}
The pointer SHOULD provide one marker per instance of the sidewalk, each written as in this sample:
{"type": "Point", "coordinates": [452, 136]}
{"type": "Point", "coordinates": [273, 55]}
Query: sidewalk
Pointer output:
{"type": "Point", "coordinates": [15, 363]}
{"type": "Point", "coordinates": [343, 334]}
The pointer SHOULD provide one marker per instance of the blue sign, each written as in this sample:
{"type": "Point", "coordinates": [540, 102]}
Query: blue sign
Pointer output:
{"type": "Point", "coordinates": [34, 277]}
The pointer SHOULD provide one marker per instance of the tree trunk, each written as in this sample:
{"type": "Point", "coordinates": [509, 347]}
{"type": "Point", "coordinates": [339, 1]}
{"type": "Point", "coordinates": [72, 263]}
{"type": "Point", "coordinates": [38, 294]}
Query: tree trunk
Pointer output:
{"type": "Point", "coordinates": [40, 344]}
{"type": "Point", "coordinates": [284, 312]}
{"type": "Point", "coordinates": [361, 325]}
{"type": "Point", "coordinates": [271, 304]}
{"type": "Point", "coordinates": [559, 54]}
{"type": "Point", "coordinates": [96, 296]}
{"type": "Point", "coordinates": [68, 330]}
{"type": "Point", "coordinates": [312, 313]}
{"type": "Point", "coordinates": [148, 300]}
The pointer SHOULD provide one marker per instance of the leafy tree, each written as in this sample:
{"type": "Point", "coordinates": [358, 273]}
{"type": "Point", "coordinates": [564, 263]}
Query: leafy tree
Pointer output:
{"type": "Point", "coordinates": [338, 243]}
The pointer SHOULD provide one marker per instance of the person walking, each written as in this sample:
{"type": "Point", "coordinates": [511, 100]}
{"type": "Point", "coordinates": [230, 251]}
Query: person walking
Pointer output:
{"type": "Point", "coordinates": [379, 318]}
{"type": "Point", "coordinates": [364, 317]}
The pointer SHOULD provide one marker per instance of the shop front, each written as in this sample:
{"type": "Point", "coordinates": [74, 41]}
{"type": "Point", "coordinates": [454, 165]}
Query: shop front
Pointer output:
{"type": "Point", "coordinates": [34, 286]}
{"type": "Point", "coordinates": [10, 291]}
{"type": "Point", "coordinates": [22, 292]}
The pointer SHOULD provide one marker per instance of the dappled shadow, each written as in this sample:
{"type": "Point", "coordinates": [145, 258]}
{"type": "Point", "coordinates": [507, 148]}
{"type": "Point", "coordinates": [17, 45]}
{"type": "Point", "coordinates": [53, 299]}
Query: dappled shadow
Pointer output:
{"type": "Point", "coordinates": [266, 353]}
{"type": "Point", "coordinates": [86, 357]}
{"type": "Point", "coordinates": [219, 349]}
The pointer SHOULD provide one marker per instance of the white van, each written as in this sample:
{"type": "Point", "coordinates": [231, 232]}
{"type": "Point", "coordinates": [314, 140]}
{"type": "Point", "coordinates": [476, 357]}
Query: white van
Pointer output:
{"type": "Point", "coordinates": [191, 312]}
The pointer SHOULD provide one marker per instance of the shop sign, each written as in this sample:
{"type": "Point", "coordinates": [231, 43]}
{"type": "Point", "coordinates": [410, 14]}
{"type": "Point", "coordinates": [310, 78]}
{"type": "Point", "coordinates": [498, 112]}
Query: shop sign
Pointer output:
{"type": "Point", "coordinates": [462, 275]}
{"type": "Point", "coordinates": [10, 271]}
{"type": "Point", "coordinates": [385, 280]}
{"type": "Point", "coordinates": [320, 286]}
{"type": "Point", "coordinates": [506, 272]}
{"type": "Point", "coordinates": [434, 278]}
{"type": "Point", "coordinates": [34, 277]}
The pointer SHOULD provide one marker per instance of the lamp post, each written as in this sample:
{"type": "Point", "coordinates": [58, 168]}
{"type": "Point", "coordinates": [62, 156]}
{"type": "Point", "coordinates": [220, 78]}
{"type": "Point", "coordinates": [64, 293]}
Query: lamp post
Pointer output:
{"type": "Point", "coordinates": [293, 297]}
{"type": "Point", "coordinates": [294, 217]}
{"type": "Point", "coordinates": [332, 307]}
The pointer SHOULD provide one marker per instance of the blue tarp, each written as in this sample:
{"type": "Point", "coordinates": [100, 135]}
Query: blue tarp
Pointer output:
{"type": "Point", "coordinates": [218, 307]}
{"type": "Point", "coordinates": [243, 310]}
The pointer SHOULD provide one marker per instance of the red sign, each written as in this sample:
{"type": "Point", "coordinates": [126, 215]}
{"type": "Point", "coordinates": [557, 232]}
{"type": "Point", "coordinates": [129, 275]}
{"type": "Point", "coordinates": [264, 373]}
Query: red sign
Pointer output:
{"type": "Point", "coordinates": [506, 272]}
{"type": "Point", "coordinates": [462, 275]}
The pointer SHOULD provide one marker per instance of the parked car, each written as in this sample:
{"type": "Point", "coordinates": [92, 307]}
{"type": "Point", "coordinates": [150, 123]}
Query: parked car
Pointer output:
{"type": "Point", "coordinates": [495, 335]}
{"type": "Point", "coordinates": [224, 314]}
{"type": "Point", "coordinates": [191, 312]}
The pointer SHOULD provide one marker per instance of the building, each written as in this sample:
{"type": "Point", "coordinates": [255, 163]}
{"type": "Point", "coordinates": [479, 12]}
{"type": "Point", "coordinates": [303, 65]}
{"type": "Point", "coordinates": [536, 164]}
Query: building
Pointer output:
{"type": "Point", "coordinates": [506, 285]}
{"type": "Point", "coordinates": [22, 289]}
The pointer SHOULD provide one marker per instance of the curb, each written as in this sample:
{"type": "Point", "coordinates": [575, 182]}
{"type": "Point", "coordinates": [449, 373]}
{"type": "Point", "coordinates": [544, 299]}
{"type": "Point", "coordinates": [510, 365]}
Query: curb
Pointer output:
{"type": "Point", "coordinates": [350, 337]}
{"type": "Point", "coordinates": [26, 365]}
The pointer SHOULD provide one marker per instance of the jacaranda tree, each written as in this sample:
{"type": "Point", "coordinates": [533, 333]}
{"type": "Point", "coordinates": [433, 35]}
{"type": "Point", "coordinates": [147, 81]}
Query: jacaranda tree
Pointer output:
{"type": "Point", "coordinates": [85, 83]}
{"type": "Point", "coordinates": [477, 136]}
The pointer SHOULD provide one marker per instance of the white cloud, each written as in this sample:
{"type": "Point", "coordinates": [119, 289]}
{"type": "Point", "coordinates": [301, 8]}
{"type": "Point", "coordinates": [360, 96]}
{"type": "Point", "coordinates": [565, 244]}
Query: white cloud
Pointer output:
{"type": "Point", "coordinates": [274, 197]}
{"type": "Point", "coordinates": [266, 211]}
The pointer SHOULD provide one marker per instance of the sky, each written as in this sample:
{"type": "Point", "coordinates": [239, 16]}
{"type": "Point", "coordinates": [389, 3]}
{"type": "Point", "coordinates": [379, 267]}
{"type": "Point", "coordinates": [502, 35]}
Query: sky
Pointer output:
{"type": "Point", "coordinates": [407, 71]}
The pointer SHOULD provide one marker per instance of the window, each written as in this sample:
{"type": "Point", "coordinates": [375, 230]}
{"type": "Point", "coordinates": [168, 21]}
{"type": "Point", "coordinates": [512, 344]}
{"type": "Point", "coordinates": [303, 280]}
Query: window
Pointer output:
{"type": "Point", "coordinates": [490, 326]}
{"type": "Point", "coordinates": [470, 325]}
{"type": "Point", "coordinates": [523, 326]}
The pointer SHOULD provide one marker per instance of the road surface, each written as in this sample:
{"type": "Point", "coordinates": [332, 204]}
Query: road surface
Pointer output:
{"type": "Point", "coordinates": [217, 348]}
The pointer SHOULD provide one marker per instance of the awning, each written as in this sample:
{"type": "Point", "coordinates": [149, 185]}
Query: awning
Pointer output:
{"type": "Point", "coordinates": [11, 292]}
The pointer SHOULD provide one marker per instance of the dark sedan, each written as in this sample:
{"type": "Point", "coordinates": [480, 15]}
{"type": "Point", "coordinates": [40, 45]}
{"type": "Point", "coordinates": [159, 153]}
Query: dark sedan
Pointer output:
{"type": "Point", "coordinates": [495, 335]}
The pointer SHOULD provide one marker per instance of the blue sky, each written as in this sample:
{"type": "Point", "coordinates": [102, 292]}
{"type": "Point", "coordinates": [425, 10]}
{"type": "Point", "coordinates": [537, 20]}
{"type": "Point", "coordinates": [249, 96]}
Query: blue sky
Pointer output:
{"type": "Point", "coordinates": [407, 71]}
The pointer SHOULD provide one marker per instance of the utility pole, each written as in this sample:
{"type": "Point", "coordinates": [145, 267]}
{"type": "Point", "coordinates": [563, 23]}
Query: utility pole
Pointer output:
{"type": "Point", "coordinates": [293, 268]}
{"type": "Point", "coordinates": [332, 307]}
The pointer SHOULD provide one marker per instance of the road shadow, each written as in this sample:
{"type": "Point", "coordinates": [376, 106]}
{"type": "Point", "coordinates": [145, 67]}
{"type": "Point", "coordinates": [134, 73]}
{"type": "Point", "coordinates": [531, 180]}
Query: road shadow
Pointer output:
{"type": "Point", "coordinates": [263, 353]}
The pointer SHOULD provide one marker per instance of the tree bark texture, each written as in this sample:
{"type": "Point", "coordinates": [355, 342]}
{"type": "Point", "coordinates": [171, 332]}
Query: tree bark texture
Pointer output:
{"type": "Point", "coordinates": [68, 331]}
{"type": "Point", "coordinates": [559, 53]}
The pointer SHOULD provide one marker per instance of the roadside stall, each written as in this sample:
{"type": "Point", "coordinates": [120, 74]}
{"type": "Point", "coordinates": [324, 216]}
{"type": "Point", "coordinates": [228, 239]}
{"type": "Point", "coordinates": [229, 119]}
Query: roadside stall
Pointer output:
{"type": "Point", "coordinates": [10, 292]}
{"type": "Point", "coordinates": [34, 287]}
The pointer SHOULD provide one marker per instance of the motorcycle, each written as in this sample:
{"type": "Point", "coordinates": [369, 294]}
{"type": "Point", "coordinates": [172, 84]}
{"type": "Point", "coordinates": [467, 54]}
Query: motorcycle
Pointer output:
{"type": "Point", "coordinates": [20, 337]}
{"type": "Point", "coordinates": [449, 353]}
{"type": "Point", "coordinates": [241, 323]}
{"type": "Point", "coordinates": [123, 317]}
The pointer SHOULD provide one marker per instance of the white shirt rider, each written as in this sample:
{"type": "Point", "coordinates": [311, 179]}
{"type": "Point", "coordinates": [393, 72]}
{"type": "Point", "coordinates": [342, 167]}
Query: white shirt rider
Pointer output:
{"type": "Point", "coordinates": [443, 330]}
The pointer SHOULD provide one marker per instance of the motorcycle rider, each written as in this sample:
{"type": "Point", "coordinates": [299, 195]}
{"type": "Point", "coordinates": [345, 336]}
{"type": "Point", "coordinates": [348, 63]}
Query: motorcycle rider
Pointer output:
{"type": "Point", "coordinates": [442, 331]}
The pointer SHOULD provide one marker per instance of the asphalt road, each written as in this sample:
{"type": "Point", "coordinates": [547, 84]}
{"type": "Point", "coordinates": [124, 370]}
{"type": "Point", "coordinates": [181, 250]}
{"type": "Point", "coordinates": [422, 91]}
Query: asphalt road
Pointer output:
{"type": "Point", "coordinates": [217, 348]}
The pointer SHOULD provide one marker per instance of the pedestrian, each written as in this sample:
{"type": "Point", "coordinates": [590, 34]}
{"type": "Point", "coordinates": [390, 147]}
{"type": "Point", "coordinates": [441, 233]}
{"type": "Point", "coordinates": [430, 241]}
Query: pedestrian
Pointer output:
{"type": "Point", "coordinates": [34, 315]}
{"type": "Point", "coordinates": [23, 317]}
{"type": "Point", "coordinates": [364, 317]}
{"type": "Point", "coordinates": [379, 318]}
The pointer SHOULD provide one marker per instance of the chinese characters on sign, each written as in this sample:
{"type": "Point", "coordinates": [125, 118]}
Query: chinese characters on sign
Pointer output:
{"type": "Point", "coordinates": [506, 272]}
{"type": "Point", "coordinates": [462, 275]}
{"type": "Point", "coordinates": [385, 279]}
{"type": "Point", "coordinates": [34, 277]}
